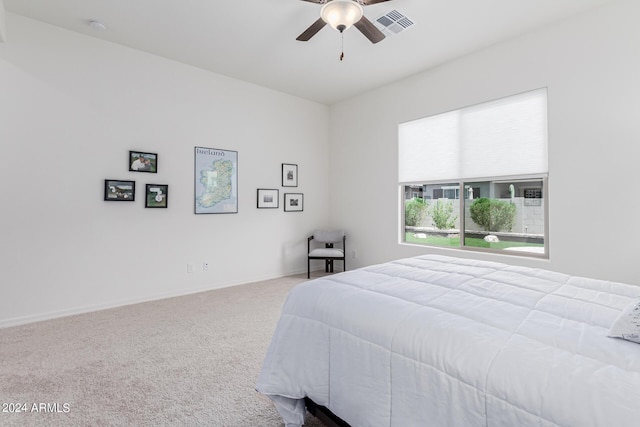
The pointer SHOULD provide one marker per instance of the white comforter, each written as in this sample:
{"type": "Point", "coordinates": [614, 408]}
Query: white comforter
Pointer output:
{"type": "Point", "coordinates": [439, 341]}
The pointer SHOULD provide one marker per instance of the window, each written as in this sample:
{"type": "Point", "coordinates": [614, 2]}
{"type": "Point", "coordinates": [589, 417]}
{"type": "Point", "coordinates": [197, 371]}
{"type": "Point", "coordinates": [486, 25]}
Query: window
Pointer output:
{"type": "Point", "coordinates": [477, 178]}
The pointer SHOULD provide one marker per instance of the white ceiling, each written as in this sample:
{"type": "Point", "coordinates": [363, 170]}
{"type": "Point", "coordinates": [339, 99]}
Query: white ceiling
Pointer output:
{"type": "Point", "coordinates": [255, 40]}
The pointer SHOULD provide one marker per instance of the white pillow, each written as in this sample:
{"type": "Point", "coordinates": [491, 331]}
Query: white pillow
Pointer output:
{"type": "Point", "coordinates": [627, 325]}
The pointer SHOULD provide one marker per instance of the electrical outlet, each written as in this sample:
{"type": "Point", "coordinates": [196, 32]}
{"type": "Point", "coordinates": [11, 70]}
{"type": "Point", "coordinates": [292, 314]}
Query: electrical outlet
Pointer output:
{"type": "Point", "coordinates": [354, 254]}
{"type": "Point", "coordinates": [205, 265]}
{"type": "Point", "coordinates": [189, 268]}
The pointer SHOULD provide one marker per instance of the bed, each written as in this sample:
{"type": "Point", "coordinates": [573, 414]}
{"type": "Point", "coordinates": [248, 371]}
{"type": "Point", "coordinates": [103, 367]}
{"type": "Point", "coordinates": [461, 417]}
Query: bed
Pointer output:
{"type": "Point", "coordinates": [443, 341]}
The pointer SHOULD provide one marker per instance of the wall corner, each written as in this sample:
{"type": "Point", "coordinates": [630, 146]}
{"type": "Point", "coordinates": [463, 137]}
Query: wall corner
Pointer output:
{"type": "Point", "coordinates": [3, 24]}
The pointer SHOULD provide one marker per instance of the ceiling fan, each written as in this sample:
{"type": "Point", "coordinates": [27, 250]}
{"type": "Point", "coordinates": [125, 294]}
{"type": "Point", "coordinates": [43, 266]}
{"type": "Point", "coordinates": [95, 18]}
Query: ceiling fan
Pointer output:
{"type": "Point", "coordinates": [342, 14]}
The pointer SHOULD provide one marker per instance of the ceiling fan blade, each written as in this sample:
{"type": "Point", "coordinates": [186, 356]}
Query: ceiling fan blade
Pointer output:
{"type": "Point", "coordinates": [323, 1]}
{"type": "Point", "coordinates": [369, 30]}
{"type": "Point", "coordinates": [366, 2]}
{"type": "Point", "coordinates": [312, 30]}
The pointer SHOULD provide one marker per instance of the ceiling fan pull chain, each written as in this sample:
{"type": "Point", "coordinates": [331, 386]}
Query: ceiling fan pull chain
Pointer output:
{"type": "Point", "coordinates": [342, 45]}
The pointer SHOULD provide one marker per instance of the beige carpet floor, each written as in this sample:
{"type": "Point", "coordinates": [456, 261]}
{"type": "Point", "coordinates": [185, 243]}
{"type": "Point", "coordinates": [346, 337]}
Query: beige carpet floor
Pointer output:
{"type": "Point", "coordinates": [185, 361]}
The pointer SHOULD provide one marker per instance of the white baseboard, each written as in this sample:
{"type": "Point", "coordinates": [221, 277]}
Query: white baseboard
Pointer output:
{"type": "Point", "coordinates": [17, 321]}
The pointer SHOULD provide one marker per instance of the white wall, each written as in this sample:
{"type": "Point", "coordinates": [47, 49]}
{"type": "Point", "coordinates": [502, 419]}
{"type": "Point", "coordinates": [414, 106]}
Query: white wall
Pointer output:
{"type": "Point", "coordinates": [71, 107]}
{"type": "Point", "coordinates": [591, 67]}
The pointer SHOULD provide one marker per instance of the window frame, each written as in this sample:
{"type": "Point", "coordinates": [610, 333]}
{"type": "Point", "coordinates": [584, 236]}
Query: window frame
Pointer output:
{"type": "Point", "coordinates": [461, 135]}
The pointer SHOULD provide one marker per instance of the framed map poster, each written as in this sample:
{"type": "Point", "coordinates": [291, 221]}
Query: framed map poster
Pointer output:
{"type": "Point", "coordinates": [216, 181]}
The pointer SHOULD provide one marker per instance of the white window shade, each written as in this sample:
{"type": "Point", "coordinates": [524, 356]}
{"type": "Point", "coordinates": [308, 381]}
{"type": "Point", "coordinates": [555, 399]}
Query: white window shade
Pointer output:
{"type": "Point", "coordinates": [498, 138]}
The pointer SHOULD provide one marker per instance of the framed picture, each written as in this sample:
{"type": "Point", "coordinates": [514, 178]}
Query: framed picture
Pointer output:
{"type": "Point", "coordinates": [156, 196]}
{"type": "Point", "coordinates": [143, 162]}
{"type": "Point", "coordinates": [289, 175]}
{"type": "Point", "coordinates": [119, 191]}
{"type": "Point", "coordinates": [216, 181]}
{"type": "Point", "coordinates": [293, 202]}
{"type": "Point", "coordinates": [268, 198]}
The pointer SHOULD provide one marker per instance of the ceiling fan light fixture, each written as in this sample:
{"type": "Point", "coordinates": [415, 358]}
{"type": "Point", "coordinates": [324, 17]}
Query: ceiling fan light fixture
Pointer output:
{"type": "Point", "coordinates": [341, 14]}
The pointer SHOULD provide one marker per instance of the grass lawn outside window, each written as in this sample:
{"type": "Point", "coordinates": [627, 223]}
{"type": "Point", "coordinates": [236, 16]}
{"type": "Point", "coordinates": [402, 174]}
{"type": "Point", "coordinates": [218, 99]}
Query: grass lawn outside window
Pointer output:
{"type": "Point", "coordinates": [454, 242]}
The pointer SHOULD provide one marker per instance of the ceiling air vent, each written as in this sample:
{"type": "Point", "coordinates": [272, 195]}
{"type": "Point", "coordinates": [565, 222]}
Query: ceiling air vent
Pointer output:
{"type": "Point", "coordinates": [393, 23]}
